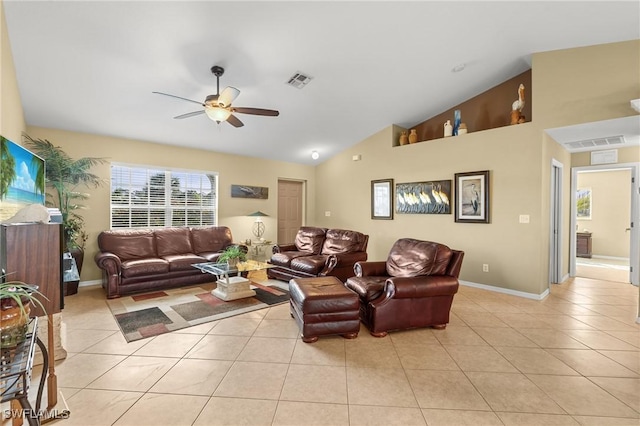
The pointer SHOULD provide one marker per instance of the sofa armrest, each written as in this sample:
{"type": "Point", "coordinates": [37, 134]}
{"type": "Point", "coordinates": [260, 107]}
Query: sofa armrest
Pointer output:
{"type": "Point", "coordinates": [421, 286]}
{"type": "Point", "coordinates": [347, 259]}
{"type": "Point", "coordinates": [279, 248]}
{"type": "Point", "coordinates": [370, 269]}
{"type": "Point", "coordinates": [109, 262]}
{"type": "Point", "coordinates": [112, 267]}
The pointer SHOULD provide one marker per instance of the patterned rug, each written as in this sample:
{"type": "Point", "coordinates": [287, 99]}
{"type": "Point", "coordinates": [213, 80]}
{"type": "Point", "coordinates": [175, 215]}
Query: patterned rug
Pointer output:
{"type": "Point", "coordinates": [150, 314]}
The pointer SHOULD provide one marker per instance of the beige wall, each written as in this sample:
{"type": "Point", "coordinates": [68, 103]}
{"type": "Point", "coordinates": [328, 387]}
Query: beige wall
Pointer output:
{"type": "Point", "coordinates": [232, 170]}
{"type": "Point", "coordinates": [11, 115]}
{"type": "Point", "coordinates": [568, 87]}
{"type": "Point", "coordinates": [610, 211]}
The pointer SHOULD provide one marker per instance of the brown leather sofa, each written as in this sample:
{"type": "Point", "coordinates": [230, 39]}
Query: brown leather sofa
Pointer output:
{"type": "Point", "coordinates": [135, 260]}
{"type": "Point", "coordinates": [413, 288]}
{"type": "Point", "coordinates": [319, 252]}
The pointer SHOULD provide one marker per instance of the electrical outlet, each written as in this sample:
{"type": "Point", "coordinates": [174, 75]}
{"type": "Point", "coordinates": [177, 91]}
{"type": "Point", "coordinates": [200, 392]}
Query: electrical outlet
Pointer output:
{"type": "Point", "coordinates": [485, 267]}
{"type": "Point", "coordinates": [327, 213]}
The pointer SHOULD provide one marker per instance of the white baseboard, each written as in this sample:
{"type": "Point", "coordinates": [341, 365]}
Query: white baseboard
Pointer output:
{"type": "Point", "coordinates": [507, 290]}
{"type": "Point", "coordinates": [598, 256]}
{"type": "Point", "coordinates": [89, 283]}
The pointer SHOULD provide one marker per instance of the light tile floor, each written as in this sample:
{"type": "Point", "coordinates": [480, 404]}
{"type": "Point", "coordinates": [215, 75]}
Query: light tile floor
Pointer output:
{"type": "Point", "coordinates": [572, 358]}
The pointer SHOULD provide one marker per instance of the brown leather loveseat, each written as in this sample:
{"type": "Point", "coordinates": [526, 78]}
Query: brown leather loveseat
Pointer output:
{"type": "Point", "coordinates": [319, 252]}
{"type": "Point", "coordinates": [135, 260]}
{"type": "Point", "coordinates": [413, 288]}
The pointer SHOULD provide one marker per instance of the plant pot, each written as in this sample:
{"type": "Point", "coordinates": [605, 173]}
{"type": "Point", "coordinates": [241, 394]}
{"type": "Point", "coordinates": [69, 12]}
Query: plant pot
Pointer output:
{"type": "Point", "coordinates": [13, 323]}
{"type": "Point", "coordinates": [232, 262]}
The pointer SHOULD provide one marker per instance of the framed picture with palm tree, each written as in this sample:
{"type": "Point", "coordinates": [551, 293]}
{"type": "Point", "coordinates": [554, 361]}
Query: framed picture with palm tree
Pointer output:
{"type": "Point", "coordinates": [472, 197]}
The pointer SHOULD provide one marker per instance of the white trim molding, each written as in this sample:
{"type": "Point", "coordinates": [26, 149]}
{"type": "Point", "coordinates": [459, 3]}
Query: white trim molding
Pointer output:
{"type": "Point", "coordinates": [506, 290]}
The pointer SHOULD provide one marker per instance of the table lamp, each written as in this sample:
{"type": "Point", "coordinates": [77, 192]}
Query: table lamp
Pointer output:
{"type": "Point", "coordinates": [258, 225]}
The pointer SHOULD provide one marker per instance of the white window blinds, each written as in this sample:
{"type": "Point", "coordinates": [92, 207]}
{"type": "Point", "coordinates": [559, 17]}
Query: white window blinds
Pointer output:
{"type": "Point", "coordinates": [150, 198]}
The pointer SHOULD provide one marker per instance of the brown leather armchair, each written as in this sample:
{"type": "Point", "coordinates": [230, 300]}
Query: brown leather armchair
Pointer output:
{"type": "Point", "coordinates": [413, 288]}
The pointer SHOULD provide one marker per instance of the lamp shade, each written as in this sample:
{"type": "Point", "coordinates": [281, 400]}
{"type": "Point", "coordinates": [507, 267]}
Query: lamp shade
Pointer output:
{"type": "Point", "coordinates": [258, 213]}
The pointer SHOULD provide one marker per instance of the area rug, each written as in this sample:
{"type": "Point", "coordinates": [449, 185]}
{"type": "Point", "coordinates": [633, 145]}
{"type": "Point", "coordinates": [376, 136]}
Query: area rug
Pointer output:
{"type": "Point", "coordinates": [150, 314]}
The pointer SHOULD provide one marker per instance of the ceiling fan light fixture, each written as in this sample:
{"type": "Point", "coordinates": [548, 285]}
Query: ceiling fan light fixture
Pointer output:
{"type": "Point", "coordinates": [217, 113]}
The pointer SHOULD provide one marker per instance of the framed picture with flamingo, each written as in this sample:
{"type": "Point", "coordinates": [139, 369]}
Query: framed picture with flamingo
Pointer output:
{"type": "Point", "coordinates": [472, 197]}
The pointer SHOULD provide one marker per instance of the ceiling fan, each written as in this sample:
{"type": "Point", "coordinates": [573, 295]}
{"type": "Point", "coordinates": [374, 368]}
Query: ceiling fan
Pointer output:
{"type": "Point", "coordinates": [218, 107]}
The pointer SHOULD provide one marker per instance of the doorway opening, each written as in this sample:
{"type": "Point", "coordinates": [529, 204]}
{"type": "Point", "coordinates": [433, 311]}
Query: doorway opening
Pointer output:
{"type": "Point", "coordinates": [604, 210]}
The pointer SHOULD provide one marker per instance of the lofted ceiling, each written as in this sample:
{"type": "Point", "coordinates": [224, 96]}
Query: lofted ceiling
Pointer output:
{"type": "Point", "coordinates": [91, 66]}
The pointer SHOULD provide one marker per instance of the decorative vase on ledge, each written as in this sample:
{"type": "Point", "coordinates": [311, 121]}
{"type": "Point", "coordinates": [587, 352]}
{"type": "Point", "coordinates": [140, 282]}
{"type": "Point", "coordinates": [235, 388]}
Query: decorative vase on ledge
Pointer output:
{"type": "Point", "coordinates": [404, 138]}
{"type": "Point", "coordinates": [456, 121]}
{"type": "Point", "coordinates": [448, 129]}
{"type": "Point", "coordinates": [413, 136]}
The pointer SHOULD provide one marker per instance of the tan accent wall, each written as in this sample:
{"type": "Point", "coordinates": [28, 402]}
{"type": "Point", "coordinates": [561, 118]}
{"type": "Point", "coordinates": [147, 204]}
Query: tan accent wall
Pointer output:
{"type": "Point", "coordinates": [569, 87]}
{"type": "Point", "coordinates": [12, 122]}
{"type": "Point", "coordinates": [610, 211]}
{"type": "Point", "coordinates": [232, 169]}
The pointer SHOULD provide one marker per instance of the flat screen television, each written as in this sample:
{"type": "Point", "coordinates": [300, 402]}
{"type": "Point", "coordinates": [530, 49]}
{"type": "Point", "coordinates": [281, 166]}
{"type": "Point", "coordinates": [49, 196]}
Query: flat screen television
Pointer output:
{"type": "Point", "coordinates": [22, 179]}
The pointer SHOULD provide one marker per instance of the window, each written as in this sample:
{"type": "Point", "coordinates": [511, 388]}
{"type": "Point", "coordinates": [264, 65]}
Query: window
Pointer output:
{"type": "Point", "coordinates": [149, 198]}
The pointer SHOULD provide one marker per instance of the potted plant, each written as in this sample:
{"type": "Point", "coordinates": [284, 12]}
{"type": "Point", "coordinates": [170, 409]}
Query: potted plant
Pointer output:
{"type": "Point", "coordinates": [16, 298]}
{"type": "Point", "coordinates": [232, 255]}
{"type": "Point", "coordinates": [65, 176]}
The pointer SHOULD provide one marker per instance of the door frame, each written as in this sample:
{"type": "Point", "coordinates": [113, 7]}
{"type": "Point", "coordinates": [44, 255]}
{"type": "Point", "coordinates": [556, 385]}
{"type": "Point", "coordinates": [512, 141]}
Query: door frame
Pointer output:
{"type": "Point", "coordinates": [556, 235]}
{"type": "Point", "coordinates": [634, 249]}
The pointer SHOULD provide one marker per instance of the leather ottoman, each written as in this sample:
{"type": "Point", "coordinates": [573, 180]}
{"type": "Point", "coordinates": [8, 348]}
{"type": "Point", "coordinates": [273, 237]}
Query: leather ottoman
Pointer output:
{"type": "Point", "coordinates": [323, 306]}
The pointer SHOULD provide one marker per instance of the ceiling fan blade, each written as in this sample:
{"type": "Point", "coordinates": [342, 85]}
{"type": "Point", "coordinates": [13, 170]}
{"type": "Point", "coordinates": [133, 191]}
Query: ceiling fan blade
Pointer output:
{"type": "Point", "coordinates": [180, 97]}
{"type": "Point", "coordinates": [256, 111]}
{"type": "Point", "coordinates": [189, 114]}
{"type": "Point", "coordinates": [233, 120]}
{"type": "Point", "coordinates": [227, 96]}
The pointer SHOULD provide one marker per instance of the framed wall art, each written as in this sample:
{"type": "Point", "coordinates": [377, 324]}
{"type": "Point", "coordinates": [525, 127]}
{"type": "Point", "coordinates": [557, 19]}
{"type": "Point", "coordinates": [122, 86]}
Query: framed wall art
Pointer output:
{"type": "Point", "coordinates": [424, 197]}
{"type": "Point", "coordinates": [472, 197]}
{"type": "Point", "coordinates": [244, 191]}
{"type": "Point", "coordinates": [382, 199]}
{"type": "Point", "coordinates": [583, 204]}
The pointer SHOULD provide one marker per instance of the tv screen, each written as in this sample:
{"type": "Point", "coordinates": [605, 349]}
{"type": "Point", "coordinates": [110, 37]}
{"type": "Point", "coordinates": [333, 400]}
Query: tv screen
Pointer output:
{"type": "Point", "coordinates": [21, 178]}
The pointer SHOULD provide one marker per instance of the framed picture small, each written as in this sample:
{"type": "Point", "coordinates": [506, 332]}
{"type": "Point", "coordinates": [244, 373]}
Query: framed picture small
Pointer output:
{"type": "Point", "coordinates": [583, 204]}
{"type": "Point", "coordinates": [382, 199]}
{"type": "Point", "coordinates": [472, 197]}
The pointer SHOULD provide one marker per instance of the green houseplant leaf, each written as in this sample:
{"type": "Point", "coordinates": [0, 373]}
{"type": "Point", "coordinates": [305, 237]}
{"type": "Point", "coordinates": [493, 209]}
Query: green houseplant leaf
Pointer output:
{"type": "Point", "coordinates": [65, 175]}
{"type": "Point", "coordinates": [233, 252]}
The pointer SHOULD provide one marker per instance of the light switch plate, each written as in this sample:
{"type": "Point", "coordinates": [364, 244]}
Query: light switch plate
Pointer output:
{"type": "Point", "coordinates": [524, 218]}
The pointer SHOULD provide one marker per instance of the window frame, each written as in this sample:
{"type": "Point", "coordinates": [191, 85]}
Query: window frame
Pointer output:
{"type": "Point", "coordinates": [168, 207]}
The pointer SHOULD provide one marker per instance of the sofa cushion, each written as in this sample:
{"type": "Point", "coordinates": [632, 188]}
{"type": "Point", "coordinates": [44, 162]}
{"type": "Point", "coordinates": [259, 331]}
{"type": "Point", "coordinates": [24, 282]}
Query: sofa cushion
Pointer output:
{"type": "Point", "coordinates": [285, 258]}
{"type": "Point", "coordinates": [309, 239]}
{"type": "Point", "coordinates": [311, 264]}
{"type": "Point", "coordinates": [173, 241]}
{"type": "Point", "coordinates": [128, 244]}
{"type": "Point", "coordinates": [410, 258]}
{"type": "Point", "coordinates": [342, 241]}
{"type": "Point", "coordinates": [141, 267]}
{"type": "Point", "coordinates": [210, 239]}
{"type": "Point", "coordinates": [183, 262]}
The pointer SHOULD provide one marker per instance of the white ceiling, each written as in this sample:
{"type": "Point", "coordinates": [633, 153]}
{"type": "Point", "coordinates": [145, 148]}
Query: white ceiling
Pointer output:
{"type": "Point", "coordinates": [91, 66]}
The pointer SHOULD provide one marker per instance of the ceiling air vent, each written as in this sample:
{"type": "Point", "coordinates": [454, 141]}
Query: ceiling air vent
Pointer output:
{"type": "Point", "coordinates": [299, 80]}
{"type": "Point", "coordinates": [589, 144]}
